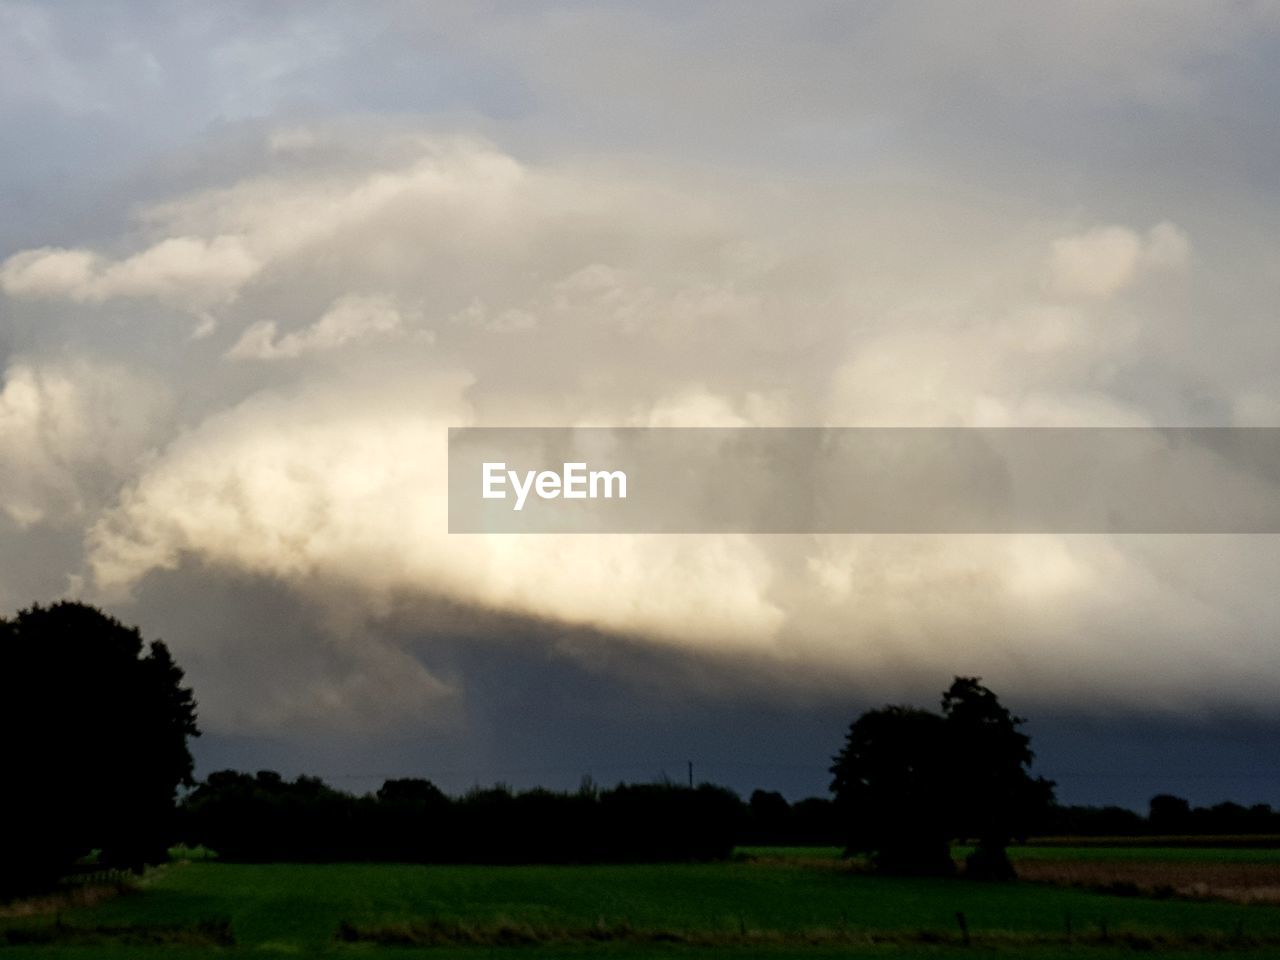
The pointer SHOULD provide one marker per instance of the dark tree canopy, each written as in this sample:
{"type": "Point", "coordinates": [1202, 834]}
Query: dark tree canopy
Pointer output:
{"type": "Point", "coordinates": [890, 783]}
{"type": "Point", "coordinates": [1169, 814]}
{"type": "Point", "coordinates": [993, 797]}
{"type": "Point", "coordinates": [770, 816]}
{"type": "Point", "coordinates": [910, 781]}
{"type": "Point", "coordinates": [95, 726]}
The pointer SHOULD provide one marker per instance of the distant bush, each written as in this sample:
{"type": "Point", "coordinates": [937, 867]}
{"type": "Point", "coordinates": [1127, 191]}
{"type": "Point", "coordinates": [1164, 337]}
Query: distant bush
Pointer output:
{"type": "Point", "coordinates": [263, 817]}
{"type": "Point", "coordinates": [1168, 816]}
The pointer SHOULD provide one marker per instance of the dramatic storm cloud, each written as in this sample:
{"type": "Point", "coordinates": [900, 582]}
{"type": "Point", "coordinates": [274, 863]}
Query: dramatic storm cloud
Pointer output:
{"type": "Point", "coordinates": [262, 259]}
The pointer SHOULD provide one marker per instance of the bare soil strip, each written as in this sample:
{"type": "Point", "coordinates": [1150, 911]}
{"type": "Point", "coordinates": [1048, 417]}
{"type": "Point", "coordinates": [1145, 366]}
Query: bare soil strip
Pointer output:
{"type": "Point", "coordinates": [1236, 882]}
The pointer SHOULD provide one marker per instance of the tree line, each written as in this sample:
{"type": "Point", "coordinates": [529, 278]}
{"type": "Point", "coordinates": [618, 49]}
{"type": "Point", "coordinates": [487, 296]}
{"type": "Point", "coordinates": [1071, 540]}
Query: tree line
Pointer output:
{"type": "Point", "coordinates": [97, 768]}
{"type": "Point", "coordinates": [1167, 816]}
{"type": "Point", "coordinates": [264, 817]}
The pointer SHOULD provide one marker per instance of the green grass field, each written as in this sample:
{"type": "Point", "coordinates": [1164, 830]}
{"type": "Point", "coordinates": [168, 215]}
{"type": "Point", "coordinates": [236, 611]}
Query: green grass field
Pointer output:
{"type": "Point", "coordinates": [787, 905]}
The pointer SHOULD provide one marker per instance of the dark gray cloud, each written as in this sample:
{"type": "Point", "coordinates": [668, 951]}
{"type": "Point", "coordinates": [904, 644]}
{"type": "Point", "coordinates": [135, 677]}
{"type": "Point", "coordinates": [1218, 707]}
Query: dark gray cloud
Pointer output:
{"type": "Point", "coordinates": [538, 715]}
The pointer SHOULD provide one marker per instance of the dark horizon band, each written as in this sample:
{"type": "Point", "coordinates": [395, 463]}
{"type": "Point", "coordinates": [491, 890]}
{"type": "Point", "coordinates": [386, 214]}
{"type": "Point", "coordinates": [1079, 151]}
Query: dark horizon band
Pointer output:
{"type": "Point", "coordinates": [867, 480]}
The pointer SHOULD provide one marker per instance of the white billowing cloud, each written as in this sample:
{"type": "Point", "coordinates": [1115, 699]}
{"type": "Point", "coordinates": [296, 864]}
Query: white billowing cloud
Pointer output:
{"type": "Point", "coordinates": [512, 320]}
{"type": "Point", "coordinates": [812, 213]}
{"type": "Point", "coordinates": [193, 272]}
{"type": "Point", "coordinates": [210, 246]}
{"type": "Point", "coordinates": [1011, 351]}
{"type": "Point", "coordinates": [1097, 263]}
{"type": "Point", "coordinates": [589, 294]}
{"type": "Point", "coordinates": [322, 486]}
{"type": "Point", "coordinates": [339, 489]}
{"type": "Point", "coordinates": [349, 485]}
{"type": "Point", "coordinates": [347, 320]}
{"type": "Point", "coordinates": [1092, 619]}
{"type": "Point", "coordinates": [697, 406]}
{"type": "Point", "coordinates": [450, 219]}
{"type": "Point", "coordinates": [1104, 260]}
{"type": "Point", "coordinates": [970, 363]}
{"type": "Point", "coordinates": [48, 272]}
{"type": "Point", "coordinates": [70, 433]}
{"type": "Point", "coordinates": [694, 407]}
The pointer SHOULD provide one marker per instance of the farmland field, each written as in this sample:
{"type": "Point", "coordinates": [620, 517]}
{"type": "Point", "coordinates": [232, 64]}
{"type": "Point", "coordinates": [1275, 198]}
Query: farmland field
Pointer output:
{"type": "Point", "coordinates": [781, 902]}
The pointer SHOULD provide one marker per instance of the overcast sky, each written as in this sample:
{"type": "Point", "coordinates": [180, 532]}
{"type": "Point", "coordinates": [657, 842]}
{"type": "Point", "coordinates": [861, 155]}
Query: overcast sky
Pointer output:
{"type": "Point", "coordinates": [256, 258]}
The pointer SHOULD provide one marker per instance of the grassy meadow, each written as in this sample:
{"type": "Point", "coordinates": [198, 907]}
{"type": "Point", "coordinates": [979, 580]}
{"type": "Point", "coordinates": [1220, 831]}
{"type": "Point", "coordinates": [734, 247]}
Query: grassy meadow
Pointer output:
{"type": "Point", "coordinates": [767, 902]}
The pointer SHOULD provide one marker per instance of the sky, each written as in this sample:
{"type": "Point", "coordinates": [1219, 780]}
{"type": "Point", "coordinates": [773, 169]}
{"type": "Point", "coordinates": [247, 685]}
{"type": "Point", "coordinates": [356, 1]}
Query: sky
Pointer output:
{"type": "Point", "coordinates": [257, 258]}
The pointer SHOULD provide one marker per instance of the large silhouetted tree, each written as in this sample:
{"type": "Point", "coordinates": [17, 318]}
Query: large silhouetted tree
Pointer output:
{"type": "Point", "coordinates": [909, 781]}
{"type": "Point", "coordinates": [993, 798]}
{"type": "Point", "coordinates": [95, 727]}
{"type": "Point", "coordinates": [890, 783]}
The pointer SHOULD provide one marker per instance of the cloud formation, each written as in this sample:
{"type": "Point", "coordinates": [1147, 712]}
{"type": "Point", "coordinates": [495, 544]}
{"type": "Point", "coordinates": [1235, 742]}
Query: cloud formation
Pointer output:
{"type": "Point", "coordinates": [183, 270]}
{"type": "Point", "coordinates": [1104, 260]}
{"type": "Point", "coordinates": [348, 319]}
{"type": "Point", "coordinates": [70, 434]}
{"type": "Point", "coordinates": [248, 374]}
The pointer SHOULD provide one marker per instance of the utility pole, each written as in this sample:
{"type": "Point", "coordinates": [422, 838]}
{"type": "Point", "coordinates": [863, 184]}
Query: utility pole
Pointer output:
{"type": "Point", "coordinates": [690, 774]}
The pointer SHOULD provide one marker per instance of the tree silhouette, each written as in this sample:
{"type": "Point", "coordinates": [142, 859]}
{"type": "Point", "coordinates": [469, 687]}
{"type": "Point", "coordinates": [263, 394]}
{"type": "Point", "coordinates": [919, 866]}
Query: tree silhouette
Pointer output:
{"type": "Point", "coordinates": [908, 781]}
{"type": "Point", "coordinates": [1169, 814]}
{"type": "Point", "coordinates": [890, 782]}
{"type": "Point", "coordinates": [993, 797]}
{"type": "Point", "coordinates": [96, 732]}
{"type": "Point", "coordinates": [769, 816]}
